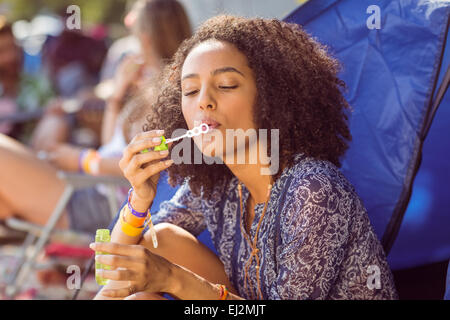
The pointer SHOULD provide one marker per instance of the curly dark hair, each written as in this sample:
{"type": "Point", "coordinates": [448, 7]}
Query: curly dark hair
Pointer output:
{"type": "Point", "coordinates": [298, 92]}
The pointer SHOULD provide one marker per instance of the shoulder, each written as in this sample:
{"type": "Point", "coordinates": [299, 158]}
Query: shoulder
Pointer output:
{"type": "Point", "coordinates": [316, 194]}
{"type": "Point", "coordinates": [309, 176]}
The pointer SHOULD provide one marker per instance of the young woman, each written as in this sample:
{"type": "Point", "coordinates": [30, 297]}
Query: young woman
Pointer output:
{"type": "Point", "coordinates": [300, 233]}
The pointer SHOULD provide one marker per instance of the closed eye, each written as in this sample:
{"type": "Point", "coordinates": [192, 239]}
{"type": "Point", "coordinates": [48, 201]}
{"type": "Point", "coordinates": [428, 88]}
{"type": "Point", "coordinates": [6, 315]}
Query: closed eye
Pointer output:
{"type": "Point", "coordinates": [228, 87]}
{"type": "Point", "coordinates": [190, 93]}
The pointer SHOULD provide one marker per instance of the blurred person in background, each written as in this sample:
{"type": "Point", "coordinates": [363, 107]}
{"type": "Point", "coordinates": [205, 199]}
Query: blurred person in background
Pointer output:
{"type": "Point", "coordinates": [30, 189]}
{"type": "Point", "coordinates": [156, 30]}
{"type": "Point", "coordinates": [73, 62]}
{"type": "Point", "coordinates": [19, 92]}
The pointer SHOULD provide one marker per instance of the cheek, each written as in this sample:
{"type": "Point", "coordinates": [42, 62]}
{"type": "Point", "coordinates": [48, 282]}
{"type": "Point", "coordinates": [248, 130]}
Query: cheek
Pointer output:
{"type": "Point", "coordinates": [239, 111]}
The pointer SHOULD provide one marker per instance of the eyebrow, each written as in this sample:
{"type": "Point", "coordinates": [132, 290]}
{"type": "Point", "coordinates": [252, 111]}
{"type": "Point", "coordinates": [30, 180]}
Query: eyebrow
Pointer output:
{"type": "Point", "coordinates": [215, 72]}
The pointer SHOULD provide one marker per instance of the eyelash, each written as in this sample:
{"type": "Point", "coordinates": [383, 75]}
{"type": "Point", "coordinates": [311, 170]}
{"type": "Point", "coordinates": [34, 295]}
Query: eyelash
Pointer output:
{"type": "Point", "coordinates": [228, 87]}
{"type": "Point", "coordinates": [221, 87]}
{"type": "Point", "coordinates": [190, 93]}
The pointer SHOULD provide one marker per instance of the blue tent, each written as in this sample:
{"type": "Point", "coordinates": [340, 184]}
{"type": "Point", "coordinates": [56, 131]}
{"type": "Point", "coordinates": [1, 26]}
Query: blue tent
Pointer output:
{"type": "Point", "coordinates": [394, 61]}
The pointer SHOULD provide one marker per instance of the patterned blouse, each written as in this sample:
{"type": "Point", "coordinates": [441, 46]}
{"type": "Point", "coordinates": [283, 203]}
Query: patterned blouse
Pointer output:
{"type": "Point", "coordinates": [315, 240]}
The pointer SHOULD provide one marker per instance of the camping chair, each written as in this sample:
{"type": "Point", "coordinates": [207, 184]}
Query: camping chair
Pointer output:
{"type": "Point", "coordinates": [38, 236]}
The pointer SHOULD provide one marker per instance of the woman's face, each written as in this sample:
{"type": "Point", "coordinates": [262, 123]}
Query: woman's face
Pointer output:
{"type": "Point", "coordinates": [217, 86]}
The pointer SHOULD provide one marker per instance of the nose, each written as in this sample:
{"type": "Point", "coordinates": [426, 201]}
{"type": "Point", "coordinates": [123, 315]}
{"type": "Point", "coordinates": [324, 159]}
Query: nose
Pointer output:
{"type": "Point", "coordinates": [206, 101]}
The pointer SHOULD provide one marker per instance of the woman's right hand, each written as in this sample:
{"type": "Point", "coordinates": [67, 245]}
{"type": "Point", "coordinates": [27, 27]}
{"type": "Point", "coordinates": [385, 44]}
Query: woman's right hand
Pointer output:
{"type": "Point", "coordinates": [142, 170]}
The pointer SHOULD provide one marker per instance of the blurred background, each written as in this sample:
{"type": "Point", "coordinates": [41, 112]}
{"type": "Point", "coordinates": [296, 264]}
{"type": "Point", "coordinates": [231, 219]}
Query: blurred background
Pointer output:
{"type": "Point", "coordinates": [48, 46]}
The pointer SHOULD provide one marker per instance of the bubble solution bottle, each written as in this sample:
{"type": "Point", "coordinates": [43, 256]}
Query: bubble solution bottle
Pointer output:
{"type": "Point", "coordinates": [102, 235]}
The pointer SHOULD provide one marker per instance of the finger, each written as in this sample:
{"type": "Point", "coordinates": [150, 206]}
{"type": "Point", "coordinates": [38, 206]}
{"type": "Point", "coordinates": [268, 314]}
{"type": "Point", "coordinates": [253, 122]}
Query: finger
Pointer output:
{"type": "Point", "coordinates": [119, 293]}
{"type": "Point", "coordinates": [142, 158]}
{"type": "Point", "coordinates": [150, 171]}
{"type": "Point", "coordinates": [144, 145]}
{"type": "Point", "coordinates": [153, 163]}
{"type": "Point", "coordinates": [118, 261]}
{"type": "Point", "coordinates": [137, 148]}
{"type": "Point", "coordinates": [147, 135]}
{"type": "Point", "coordinates": [139, 143]}
{"type": "Point", "coordinates": [119, 249]}
{"type": "Point", "coordinates": [118, 275]}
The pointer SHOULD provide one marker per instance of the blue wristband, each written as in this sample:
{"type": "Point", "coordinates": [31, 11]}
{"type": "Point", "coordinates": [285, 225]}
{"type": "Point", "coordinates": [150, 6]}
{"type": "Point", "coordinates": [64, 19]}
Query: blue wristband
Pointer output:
{"type": "Point", "coordinates": [134, 212]}
{"type": "Point", "coordinates": [80, 160]}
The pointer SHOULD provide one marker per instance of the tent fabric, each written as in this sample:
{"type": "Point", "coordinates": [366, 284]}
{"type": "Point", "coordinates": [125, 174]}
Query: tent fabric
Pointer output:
{"type": "Point", "coordinates": [390, 73]}
{"type": "Point", "coordinates": [447, 290]}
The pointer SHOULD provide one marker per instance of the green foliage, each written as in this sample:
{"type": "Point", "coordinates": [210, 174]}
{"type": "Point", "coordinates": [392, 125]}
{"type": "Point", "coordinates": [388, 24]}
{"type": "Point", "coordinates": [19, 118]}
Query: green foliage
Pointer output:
{"type": "Point", "coordinates": [92, 11]}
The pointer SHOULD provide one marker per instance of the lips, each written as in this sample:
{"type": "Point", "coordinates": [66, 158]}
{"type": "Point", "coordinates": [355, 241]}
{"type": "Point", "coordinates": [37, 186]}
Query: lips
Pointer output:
{"type": "Point", "coordinates": [213, 124]}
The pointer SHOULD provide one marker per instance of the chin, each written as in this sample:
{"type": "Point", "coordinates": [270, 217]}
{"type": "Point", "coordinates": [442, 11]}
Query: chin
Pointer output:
{"type": "Point", "coordinates": [209, 150]}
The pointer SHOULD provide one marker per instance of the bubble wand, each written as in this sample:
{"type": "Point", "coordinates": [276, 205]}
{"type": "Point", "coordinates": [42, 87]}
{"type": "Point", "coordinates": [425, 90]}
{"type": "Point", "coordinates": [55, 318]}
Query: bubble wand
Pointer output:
{"type": "Point", "coordinates": [196, 131]}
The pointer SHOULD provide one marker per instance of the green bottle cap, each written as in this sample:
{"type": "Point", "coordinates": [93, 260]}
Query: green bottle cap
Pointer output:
{"type": "Point", "coordinates": [162, 146]}
{"type": "Point", "coordinates": [102, 233]}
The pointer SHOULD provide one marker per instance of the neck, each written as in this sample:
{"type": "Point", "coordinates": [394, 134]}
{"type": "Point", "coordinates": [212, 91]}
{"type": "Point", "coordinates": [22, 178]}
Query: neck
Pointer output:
{"type": "Point", "coordinates": [250, 175]}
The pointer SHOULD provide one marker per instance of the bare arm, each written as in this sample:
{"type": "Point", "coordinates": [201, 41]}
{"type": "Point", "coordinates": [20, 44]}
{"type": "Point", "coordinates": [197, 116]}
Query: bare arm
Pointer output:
{"type": "Point", "coordinates": [66, 157]}
{"type": "Point", "coordinates": [144, 191]}
{"type": "Point", "coordinates": [127, 74]}
{"type": "Point", "coordinates": [110, 167]}
{"type": "Point", "coordinates": [110, 116]}
{"type": "Point", "coordinates": [118, 236]}
{"type": "Point", "coordinates": [137, 269]}
{"type": "Point", "coordinates": [187, 285]}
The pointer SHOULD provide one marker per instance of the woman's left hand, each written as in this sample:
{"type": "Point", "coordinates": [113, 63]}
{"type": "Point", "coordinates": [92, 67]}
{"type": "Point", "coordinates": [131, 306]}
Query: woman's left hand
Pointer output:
{"type": "Point", "coordinates": [147, 272]}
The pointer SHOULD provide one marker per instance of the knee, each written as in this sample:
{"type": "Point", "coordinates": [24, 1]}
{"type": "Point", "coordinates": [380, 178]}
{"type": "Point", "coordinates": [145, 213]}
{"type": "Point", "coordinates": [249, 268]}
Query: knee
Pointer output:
{"type": "Point", "coordinates": [170, 238]}
{"type": "Point", "coordinates": [168, 232]}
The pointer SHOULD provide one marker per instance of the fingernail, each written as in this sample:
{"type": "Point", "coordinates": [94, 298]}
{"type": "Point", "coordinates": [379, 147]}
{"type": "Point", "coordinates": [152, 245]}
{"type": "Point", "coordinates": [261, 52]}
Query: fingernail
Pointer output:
{"type": "Point", "coordinates": [92, 245]}
{"type": "Point", "coordinates": [160, 132]}
{"type": "Point", "coordinates": [168, 162]}
{"type": "Point", "coordinates": [156, 139]}
{"type": "Point", "coordinates": [164, 152]}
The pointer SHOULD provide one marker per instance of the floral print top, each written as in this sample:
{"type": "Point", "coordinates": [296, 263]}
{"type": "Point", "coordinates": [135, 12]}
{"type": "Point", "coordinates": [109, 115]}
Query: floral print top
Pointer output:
{"type": "Point", "coordinates": [315, 240]}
